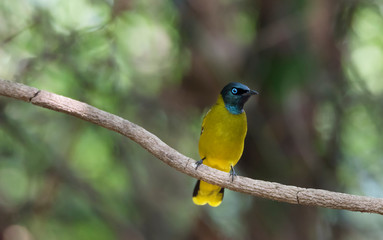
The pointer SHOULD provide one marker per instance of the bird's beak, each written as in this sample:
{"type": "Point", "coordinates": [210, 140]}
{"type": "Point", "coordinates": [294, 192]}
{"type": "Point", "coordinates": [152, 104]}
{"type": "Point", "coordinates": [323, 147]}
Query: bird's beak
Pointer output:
{"type": "Point", "coordinates": [251, 92]}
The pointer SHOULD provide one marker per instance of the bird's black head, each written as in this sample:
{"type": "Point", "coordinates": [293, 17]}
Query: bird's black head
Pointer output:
{"type": "Point", "coordinates": [235, 96]}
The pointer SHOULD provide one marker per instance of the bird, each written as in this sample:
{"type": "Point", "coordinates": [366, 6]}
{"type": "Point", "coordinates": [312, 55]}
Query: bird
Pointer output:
{"type": "Point", "coordinates": [222, 139]}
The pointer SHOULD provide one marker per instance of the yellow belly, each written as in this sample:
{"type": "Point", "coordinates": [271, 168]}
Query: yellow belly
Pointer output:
{"type": "Point", "coordinates": [222, 139]}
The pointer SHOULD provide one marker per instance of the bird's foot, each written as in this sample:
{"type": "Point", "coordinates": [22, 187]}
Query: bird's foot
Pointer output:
{"type": "Point", "coordinates": [198, 163]}
{"type": "Point", "coordinates": [232, 173]}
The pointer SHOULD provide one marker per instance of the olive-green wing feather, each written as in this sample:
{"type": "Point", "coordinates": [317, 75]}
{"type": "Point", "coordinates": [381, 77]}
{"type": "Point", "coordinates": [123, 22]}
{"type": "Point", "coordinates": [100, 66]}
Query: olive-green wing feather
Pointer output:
{"type": "Point", "coordinates": [203, 122]}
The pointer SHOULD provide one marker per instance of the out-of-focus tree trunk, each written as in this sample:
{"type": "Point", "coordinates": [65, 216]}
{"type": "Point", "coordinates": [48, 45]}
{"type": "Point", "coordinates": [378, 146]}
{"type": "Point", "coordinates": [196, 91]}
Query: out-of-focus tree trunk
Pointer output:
{"type": "Point", "coordinates": [292, 93]}
{"type": "Point", "coordinates": [296, 63]}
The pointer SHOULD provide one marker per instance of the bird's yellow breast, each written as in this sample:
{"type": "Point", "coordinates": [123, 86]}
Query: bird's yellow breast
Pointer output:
{"type": "Point", "coordinates": [222, 137]}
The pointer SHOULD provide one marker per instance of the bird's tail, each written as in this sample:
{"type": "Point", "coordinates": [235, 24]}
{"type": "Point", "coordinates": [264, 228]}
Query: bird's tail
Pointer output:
{"type": "Point", "coordinates": [207, 193]}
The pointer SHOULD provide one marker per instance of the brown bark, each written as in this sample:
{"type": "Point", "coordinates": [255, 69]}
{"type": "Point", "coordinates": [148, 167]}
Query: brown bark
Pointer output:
{"type": "Point", "coordinates": [184, 164]}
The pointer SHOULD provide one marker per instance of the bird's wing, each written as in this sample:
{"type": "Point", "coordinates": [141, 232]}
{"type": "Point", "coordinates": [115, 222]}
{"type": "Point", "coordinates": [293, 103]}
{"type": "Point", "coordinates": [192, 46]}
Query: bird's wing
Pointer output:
{"type": "Point", "coordinates": [203, 122]}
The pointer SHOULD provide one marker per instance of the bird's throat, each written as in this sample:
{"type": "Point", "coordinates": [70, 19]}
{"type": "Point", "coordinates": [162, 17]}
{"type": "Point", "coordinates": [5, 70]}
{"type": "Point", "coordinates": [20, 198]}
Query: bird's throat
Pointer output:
{"type": "Point", "coordinates": [234, 109]}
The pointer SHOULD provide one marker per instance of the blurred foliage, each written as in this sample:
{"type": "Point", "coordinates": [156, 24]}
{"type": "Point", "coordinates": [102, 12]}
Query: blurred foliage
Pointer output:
{"type": "Point", "coordinates": [160, 64]}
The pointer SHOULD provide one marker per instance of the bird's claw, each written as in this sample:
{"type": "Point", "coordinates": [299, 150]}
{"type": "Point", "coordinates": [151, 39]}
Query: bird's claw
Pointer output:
{"type": "Point", "coordinates": [232, 173]}
{"type": "Point", "coordinates": [198, 163]}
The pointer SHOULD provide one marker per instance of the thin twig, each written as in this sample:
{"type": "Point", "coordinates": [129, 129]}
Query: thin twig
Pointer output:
{"type": "Point", "coordinates": [264, 189]}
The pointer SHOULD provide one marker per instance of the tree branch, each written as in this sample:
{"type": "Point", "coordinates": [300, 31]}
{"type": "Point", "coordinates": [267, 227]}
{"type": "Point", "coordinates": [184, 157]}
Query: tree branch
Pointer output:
{"type": "Point", "coordinates": [264, 189]}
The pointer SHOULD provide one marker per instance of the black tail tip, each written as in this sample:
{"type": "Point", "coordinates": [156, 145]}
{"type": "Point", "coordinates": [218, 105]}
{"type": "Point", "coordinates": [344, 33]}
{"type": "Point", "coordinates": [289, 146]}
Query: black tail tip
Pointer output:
{"type": "Point", "coordinates": [196, 188]}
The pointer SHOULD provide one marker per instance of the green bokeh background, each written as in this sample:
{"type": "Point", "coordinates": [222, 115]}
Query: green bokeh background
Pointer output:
{"type": "Point", "coordinates": [160, 64]}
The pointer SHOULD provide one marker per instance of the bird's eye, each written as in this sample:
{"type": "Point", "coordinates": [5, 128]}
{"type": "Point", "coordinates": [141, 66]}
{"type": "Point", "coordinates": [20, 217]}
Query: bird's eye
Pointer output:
{"type": "Point", "coordinates": [234, 91]}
